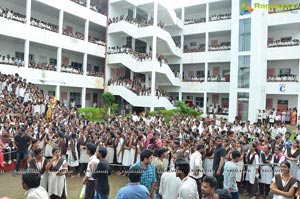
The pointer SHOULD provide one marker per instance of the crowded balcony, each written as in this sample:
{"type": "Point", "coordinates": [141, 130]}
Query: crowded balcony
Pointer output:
{"type": "Point", "coordinates": [219, 41]}
{"type": "Point", "coordinates": [194, 43]}
{"type": "Point", "coordinates": [73, 26]}
{"type": "Point", "coordinates": [218, 72]}
{"type": "Point", "coordinates": [96, 34]}
{"type": "Point", "coordinates": [42, 66]}
{"type": "Point", "coordinates": [99, 6]}
{"type": "Point", "coordinates": [44, 16]}
{"type": "Point", "coordinates": [80, 2]}
{"type": "Point", "coordinates": [289, 6]}
{"type": "Point", "coordinates": [95, 66]}
{"type": "Point", "coordinates": [220, 10]}
{"type": "Point", "coordinates": [7, 60]}
{"type": "Point", "coordinates": [10, 14]}
{"type": "Point", "coordinates": [72, 62]}
{"type": "Point", "coordinates": [195, 14]}
{"type": "Point", "coordinates": [283, 42]}
{"type": "Point", "coordinates": [283, 78]}
{"type": "Point", "coordinates": [286, 35]}
{"type": "Point", "coordinates": [194, 72]}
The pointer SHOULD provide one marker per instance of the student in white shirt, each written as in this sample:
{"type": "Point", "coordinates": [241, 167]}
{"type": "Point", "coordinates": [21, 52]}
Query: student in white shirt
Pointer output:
{"type": "Point", "coordinates": [31, 183]}
{"type": "Point", "coordinates": [188, 188]}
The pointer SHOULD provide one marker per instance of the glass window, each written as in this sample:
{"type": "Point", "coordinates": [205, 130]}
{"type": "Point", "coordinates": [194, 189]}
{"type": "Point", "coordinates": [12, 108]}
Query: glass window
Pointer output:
{"type": "Point", "coordinates": [76, 97]}
{"type": "Point", "coordinates": [244, 72]}
{"type": "Point", "coordinates": [243, 106]}
{"type": "Point", "coordinates": [245, 35]}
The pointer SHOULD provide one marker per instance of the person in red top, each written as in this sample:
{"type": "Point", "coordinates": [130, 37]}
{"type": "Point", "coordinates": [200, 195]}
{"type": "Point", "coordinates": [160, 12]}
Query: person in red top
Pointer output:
{"type": "Point", "coordinates": [260, 144]}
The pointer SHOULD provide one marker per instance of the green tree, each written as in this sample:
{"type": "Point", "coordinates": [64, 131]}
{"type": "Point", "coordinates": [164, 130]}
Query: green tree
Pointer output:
{"type": "Point", "coordinates": [108, 99]}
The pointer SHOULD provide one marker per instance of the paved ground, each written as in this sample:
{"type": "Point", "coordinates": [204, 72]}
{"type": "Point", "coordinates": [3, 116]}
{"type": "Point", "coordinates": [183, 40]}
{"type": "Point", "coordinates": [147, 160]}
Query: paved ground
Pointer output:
{"type": "Point", "coordinates": [11, 186]}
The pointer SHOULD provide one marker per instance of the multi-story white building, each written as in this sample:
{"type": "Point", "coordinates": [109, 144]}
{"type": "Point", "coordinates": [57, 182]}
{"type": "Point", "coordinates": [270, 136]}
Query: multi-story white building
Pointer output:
{"type": "Point", "coordinates": [225, 56]}
{"type": "Point", "coordinates": [208, 53]}
{"type": "Point", "coordinates": [58, 45]}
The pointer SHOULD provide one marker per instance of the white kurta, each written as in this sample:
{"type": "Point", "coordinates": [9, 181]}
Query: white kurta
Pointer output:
{"type": "Point", "coordinates": [126, 158]}
{"type": "Point", "coordinates": [294, 168]}
{"type": "Point", "coordinates": [239, 174]}
{"type": "Point", "coordinates": [57, 184]}
{"type": "Point", "coordinates": [110, 154]}
{"type": "Point", "coordinates": [266, 173]}
{"type": "Point", "coordinates": [71, 161]}
{"type": "Point", "coordinates": [119, 158]}
{"type": "Point", "coordinates": [208, 167]}
{"type": "Point", "coordinates": [277, 169]}
{"type": "Point", "coordinates": [251, 170]}
{"type": "Point", "coordinates": [169, 185]}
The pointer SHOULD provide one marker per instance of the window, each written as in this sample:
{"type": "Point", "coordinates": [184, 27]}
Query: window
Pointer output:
{"type": "Point", "coordinates": [285, 71]}
{"type": "Point", "coordinates": [244, 72]}
{"type": "Point", "coordinates": [200, 73]}
{"type": "Point", "coordinates": [286, 39]}
{"type": "Point", "coordinates": [189, 97]}
{"type": "Point", "coordinates": [193, 44]}
{"type": "Point", "coordinates": [245, 35]}
{"type": "Point", "coordinates": [51, 93]}
{"type": "Point", "coordinates": [225, 43]}
{"type": "Point", "coordinates": [76, 65]}
{"type": "Point", "coordinates": [243, 106]}
{"type": "Point", "coordinates": [20, 55]}
{"type": "Point", "coordinates": [76, 97]}
{"type": "Point", "coordinates": [283, 102]}
{"type": "Point", "coordinates": [200, 101]}
{"type": "Point", "coordinates": [53, 61]}
{"type": "Point", "coordinates": [31, 57]}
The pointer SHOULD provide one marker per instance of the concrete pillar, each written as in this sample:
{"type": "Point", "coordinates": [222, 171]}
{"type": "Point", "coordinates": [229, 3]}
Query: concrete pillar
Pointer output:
{"type": "Point", "coordinates": [147, 80]}
{"type": "Point", "coordinates": [88, 3]}
{"type": "Point", "coordinates": [134, 12]}
{"type": "Point", "coordinates": [152, 89]}
{"type": "Point", "coordinates": [57, 92]}
{"type": "Point", "coordinates": [83, 94]}
{"type": "Point", "coordinates": [206, 41]}
{"type": "Point", "coordinates": [180, 96]}
{"type": "Point", "coordinates": [26, 53]}
{"type": "Point", "coordinates": [84, 65]}
{"type": "Point", "coordinates": [61, 22]}
{"type": "Point", "coordinates": [28, 12]}
{"type": "Point", "coordinates": [205, 71]}
{"type": "Point", "coordinates": [181, 71]}
{"type": "Point", "coordinates": [133, 44]}
{"type": "Point", "coordinates": [207, 12]}
{"type": "Point", "coordinates": [59, 52]}
{"type": "Point", "coordinates": [182, 41]}
{"type": "Point", "coordinates": [182, 14]}
{"type": "Point", "coordinates": [86, 30]}
{"type": "Point", "coordinates": [204, 103]}
{"type": "Point", "coordinates": [131, 75]}
{"type": "Point", "coordinates": [298, 106]}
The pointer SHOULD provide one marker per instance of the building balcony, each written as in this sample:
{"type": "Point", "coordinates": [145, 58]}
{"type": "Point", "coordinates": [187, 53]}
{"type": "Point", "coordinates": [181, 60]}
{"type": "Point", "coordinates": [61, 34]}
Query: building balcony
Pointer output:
{"type": "Point", "coordinates": [46, 77]}
{"type": "Point", "coordinates": [282, 88]}
{"type": "Point", "coordinates": [198, 87]}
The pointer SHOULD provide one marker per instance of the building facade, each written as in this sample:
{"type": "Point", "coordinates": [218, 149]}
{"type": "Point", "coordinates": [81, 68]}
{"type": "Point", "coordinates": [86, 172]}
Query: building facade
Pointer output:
{"type": "Point", "coordinates": [232, 57]}
{"type": "Point", "coordinates": [58, 45]}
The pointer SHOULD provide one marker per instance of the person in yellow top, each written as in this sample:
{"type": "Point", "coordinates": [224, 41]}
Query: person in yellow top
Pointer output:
{"type": "Point", "coordinates": [52, 103]}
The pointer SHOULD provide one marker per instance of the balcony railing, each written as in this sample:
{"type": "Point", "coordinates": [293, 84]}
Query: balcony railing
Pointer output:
{"type": "Point", "coordinates": [11, 15]}
{"type": "Point", "coordinates": [283, 78]}
{"type": "Point", "coordinates": [194, 50]}
{"type": "Point", "coordinates": [219, 48]}
{"type": "Point", "coordinates": [194, 21]}
{"type": "Point", "coordinates": [220, 17]}
{"type": "Point", "coordinates": [41, 66]}
{"type": "Point", "coordinates": [279, 43]}
{"type": "Point", "coordinates": [43, 25]}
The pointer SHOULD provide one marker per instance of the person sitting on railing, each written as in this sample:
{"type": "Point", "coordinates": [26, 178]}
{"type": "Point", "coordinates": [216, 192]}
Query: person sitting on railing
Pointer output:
{"type": "Point", "coordinates": [283, 78]}
{"type": "Point", "coordinates": [280, 43]}
{"type": "Point", "coordinates": [220, 17]}
{"type": "Point", "coordinates": [219, 48]}
{"type": "Point", "coordinates": [80, 2]}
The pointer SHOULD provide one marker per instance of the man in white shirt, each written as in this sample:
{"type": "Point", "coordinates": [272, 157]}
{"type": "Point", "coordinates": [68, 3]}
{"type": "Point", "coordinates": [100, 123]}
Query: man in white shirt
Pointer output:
{"type": "Point", "coordinates": [91, 167]}
{"type": "Point", "coordinates": [31, 183]}
{"type": "Point", "coordinates": [196, 166]}
{"type": "Point", "coordinates": [188, 188]}
{"type": "Point", "coordinates": [169, 182]}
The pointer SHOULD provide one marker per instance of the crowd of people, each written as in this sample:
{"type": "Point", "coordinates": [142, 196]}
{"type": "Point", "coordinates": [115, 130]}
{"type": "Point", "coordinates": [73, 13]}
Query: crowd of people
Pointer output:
{"type": "Point", "coordinates": [219, 17]}
{"type": "Point", "coordinates": [71, 69]}
{"type": "Point", "coordinates": [69, 32]}
{"type": "Point", "coordinates": [96, 9]}
{"type": "Point", "coordinates": [42, 66]}
{"type": "Point", "coordinates": [194, 50]}
{"type": "Point", "coordinates": [219, 47]}
{"type": "Point", "coordinates": [216, 109]}
{"type": "Point", "coordinates": [97, 41]}
{"type": "Point", "coordinates": [280, 43]}
{"type": "Point", "coordinates": [139, 22]}
{"type": "Point", "coordinates": [137, 55]}
{"type": "Point", "coordinates": [194, 21]}
{"type": "Point", "coordinates": [10, 14]}
{"type": "Point", "coordinates": [286, 9]}
{"type": "Point", "coordinates": [80, 2]}
{"type": "Point", "coordinates": [207, 153]}
{"type": "Point", "coordinates": [11, 60]}
{"type": "Point", "coordinates": [43, 25]}
{"type": "Point", "coordinates": [283, 78]}
{"type": "Point", "coordinates": [95, 73]}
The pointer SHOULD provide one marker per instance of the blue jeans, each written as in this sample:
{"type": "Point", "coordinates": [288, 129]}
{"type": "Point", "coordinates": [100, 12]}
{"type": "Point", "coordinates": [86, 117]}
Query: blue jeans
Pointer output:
{"type": "Point", "coordinates": [235, 195]}
{"type": "Point", "coordinates": [20, 155]}
{"type": "Point", "coordinates": [156, 194]}
{"type": "Point", "coordinates": [100, 196]}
